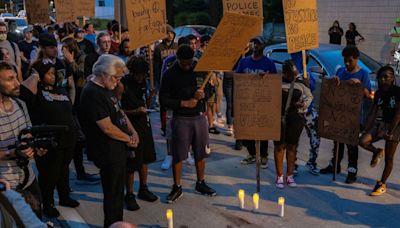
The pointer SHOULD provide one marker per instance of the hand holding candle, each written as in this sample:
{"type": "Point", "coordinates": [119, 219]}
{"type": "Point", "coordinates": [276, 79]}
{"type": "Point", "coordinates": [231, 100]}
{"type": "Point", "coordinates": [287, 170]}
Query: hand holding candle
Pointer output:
{"type": "Point", "coordinates": [170, 220]}
{"type": "Point", "coordinates": [241, 198]}
{"type": "Point", "coordinates": [281, 203]}
{"type": "Point", "coordinates": [256, 201]}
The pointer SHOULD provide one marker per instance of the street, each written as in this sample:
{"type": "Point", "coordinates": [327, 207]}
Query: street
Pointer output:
{"type": "Point", "coordinates": [317, 201]}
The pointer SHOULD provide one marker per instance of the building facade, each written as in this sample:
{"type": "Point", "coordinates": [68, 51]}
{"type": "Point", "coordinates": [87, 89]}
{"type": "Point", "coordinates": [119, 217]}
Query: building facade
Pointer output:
{"type": "Point", "coordinates": [374, 20]}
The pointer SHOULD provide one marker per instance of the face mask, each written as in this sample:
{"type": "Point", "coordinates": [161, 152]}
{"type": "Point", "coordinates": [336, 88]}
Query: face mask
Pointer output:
{"type": "Point", "coordinates": [3, 37]}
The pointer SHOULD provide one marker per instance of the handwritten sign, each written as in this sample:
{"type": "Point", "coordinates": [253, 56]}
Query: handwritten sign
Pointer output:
{"type": "Point", "coordinates": [301, 24]}
{"type": "Point", "coordinates": [228, 42]}
{"type": "Point", "coordinates": [64, 11]}
{"type": "Point", "coordinates": [146, 21]}
{"type": "Point", "coordinates": [248, 7]}
{"type": "Point", "coordinates": [84, 8]}
{"type": "Point", "coordinates": [339, 112]}
{"type": "Point", "coordinates": [37, 11]}
{"type": "Point", "coordinates": [257, 106]}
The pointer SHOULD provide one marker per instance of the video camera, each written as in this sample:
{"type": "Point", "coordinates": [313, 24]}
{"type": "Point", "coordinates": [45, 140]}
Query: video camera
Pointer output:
{"type": "Point", "coordinates": [36, 137]}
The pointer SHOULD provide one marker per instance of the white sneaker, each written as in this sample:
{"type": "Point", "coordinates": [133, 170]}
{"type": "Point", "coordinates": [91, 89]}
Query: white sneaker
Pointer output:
{"type": "Point", "coordinates": [218, 124]}
{"type": "Point", "coordinates": [190, 159]}
{"type": "Point", "coordinates": [279, 182]}
{"type": "Point", "coordinates": [229, 132]}
{"type": "Point", "coordinates": [167, 162]}
{"type": "Point", "coordinates": [290, 181]}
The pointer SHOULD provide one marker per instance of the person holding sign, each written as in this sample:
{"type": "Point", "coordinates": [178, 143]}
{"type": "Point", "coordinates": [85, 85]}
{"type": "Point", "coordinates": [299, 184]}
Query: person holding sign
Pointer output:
{"type": "Point", "coordinates": [257, 63]}
{"type": "Point", "coordinates": [296, 98]}
{"type": "Point", "coordinates": [353, 74]}
{"type": "Point", "coordinates": [179, 92]}
{"type": "Point", "coordinates": [387, 100]}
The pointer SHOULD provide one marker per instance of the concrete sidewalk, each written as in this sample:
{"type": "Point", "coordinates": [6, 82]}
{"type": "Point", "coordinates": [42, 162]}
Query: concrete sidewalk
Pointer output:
{"type": "Point", "coordinates": [316, 202]}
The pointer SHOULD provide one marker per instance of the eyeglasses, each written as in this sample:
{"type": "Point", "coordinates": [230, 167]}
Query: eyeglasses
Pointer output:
{"type": "Point", "coordinates": [116, 77]}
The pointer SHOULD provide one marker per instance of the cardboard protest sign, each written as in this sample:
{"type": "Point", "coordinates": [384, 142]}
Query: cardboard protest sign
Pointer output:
{"type": "Point", "coordinates": [301, 24]}
{"type": "Point", "coordinates": [339, 111]}
{"type": "Point", "coordinates": [257, 106]}
{"type": "Point", "coordinates": [37, 11]}
{"type": "Point", "coordinates": [248, 7]}
{"type": "Point", "coordinates": [146, 22]}
{"type": "Point", "coordinates": [228, 42]}
{"type": "Point", "coordinates": [64, 11]}
{"type": "Point", "coordinates": [84, 8]}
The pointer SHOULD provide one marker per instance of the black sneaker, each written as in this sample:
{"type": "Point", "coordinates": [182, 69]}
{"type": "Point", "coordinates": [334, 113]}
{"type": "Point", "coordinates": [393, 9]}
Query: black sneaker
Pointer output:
{"type": "Point", "coordinates": [175, 194]}
{"type": "Point", "coordinates": [146, 195]}
{"type": "Point", "coordinates": [329, 169]}
{"type": "Point", "coordinates": [312, 168]}
{"type": "Point", "coordinates": [86, 178]}
{"type": "Point", "coordinates": [213, 130]}
{"type": "Point", "coordinates": [238, 145]}
{"type": "Point", "coordinates": [68, 202]}
{"type": "Point", "coordinates": [202, 188]}
{"type": "Point", "coordinates": [130, 202]}
{"type": "Point", "coordinates": [50, 211]}
{"type": "Point", "coordinates": [351, 177]}
{"type": "Point", "coordinates": [296, 170]}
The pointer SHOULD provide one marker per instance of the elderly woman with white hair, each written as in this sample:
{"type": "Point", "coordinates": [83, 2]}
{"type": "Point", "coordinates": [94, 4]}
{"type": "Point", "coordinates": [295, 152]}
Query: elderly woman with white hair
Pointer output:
{"type": "Point", "coordinates": [108, 132]}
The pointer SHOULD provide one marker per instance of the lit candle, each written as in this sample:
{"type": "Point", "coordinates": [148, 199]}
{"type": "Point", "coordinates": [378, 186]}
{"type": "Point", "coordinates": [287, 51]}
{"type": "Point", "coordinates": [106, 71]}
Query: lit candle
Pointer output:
{"type": "Point", "coordinates": [281, 203]}
{"type": "Point", "coordinates": [241, 198]}
{"type": "Point", "coordinates": [256, 201]}
{"type": "Point", "coordinates": [372, 95]}
{"type": "Point", "coordinates": [170, 218]}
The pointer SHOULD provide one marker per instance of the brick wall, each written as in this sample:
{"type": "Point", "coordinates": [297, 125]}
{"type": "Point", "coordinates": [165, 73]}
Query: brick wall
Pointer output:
{"type": "Point", "coordinates": [374, 20]}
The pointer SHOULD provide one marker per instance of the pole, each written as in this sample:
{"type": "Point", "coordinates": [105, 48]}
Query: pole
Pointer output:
{"type": "Point", "coordinates": [206, 80]}
{"type": "Point", "coordinates": [336, 160]}
{"type": "Point", "coordinates": [304, 64]}
{"type": "Point", "coordinates": [119, 20]}
{"type": "Point", "coordinates": [151, 67]}
{"type": "Point", "coordinates": [258, 163]}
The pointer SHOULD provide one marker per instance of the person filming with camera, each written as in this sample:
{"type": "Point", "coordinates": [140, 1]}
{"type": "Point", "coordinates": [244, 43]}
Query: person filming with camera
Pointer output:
{"type": "Point", "coordinates": [49, 104]}
{"type": "Point", "coordinates": [14, 118]}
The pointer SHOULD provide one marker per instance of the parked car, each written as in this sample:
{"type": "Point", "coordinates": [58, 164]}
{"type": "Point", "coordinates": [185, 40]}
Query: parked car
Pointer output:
{"type": "Point", "coordinates": [21, 22]}
{"type": "Point", "coordinates": [323, 63]}
{"type": "Point", "coordinates": [197, 30]}
{"type": "Point", "coordinates": [6, 15]}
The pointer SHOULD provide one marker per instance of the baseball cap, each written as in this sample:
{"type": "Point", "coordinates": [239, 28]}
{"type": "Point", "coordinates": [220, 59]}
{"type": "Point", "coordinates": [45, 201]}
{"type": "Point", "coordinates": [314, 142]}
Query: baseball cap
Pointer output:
{"type": "Point", "coordinates": [47, 40]}
{"type": "Point", "coordinates": [28, 29]}
{"type": "Point", "coordinates": [260, 39]}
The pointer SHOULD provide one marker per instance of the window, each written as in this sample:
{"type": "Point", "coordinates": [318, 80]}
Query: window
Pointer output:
{"type": "Point", "coordinates": [102, 3]}
{"type": "Point", "coordinates": [279, 56]}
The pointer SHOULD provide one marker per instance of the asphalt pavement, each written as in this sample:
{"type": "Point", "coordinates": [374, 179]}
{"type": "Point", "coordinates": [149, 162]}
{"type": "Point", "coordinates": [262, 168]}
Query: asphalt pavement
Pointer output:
{"type": "Point", "coordinates": [317, 201]}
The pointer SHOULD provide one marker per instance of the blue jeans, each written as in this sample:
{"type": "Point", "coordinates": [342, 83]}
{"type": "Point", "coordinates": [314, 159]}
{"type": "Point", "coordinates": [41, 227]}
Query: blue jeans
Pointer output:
{"type": "Point", "coordinates": [228, 93]}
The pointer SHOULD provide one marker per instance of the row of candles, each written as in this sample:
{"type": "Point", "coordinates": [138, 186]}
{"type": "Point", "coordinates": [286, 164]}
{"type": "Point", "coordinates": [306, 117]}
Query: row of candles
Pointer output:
{"type": "Point", "coordinates": [241, 194]}
{"type": "Point", "coordinates": [256, 202]}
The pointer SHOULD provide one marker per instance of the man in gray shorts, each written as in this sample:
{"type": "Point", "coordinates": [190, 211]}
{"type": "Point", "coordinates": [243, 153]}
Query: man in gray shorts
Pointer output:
{"type": "Point", "coordinates": [179, 92]}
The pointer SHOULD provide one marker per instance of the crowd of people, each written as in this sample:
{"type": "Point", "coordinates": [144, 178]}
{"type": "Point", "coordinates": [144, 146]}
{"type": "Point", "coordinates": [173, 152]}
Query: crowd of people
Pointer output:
{"type": "Point", "coordinates": [98, 88]}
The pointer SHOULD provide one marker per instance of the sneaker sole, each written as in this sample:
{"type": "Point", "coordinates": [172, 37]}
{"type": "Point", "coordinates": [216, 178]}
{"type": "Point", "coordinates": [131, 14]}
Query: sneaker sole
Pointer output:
{"type": "Point", "coordinates": [377, 193]}
{"type": "Point", "coordinates": [264, 166]}
{"type": "Point", "coordinates": [205, 194]}
{"type": "Point", "coordinates": [172, 201]}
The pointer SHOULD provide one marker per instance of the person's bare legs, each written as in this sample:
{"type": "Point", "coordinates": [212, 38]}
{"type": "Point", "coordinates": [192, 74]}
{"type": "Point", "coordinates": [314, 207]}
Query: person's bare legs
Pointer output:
{"type": "Point", "coordinates": [177, 172]}
{"type": "Point", "coordinates": [279, 152]}
{"type": "Point", "coordinates": [290, 159]}
{"type": "Point", "coordinates": [200, 169]}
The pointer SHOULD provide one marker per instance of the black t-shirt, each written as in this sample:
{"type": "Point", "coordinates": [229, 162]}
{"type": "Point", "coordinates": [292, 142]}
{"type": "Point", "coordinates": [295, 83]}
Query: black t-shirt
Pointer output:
{"type": "Point", "coordinates": [89, 62]}
{"type": "Point", "coordinates": [133, 96]}
{"type": "Point", "coordinates": [351, 37]}
{"type": "Point", "coordinates": [27, 48]}
{"type": "Point", "coordinates": [51, 108]}
{"type": "Point", "coordinates": [98, 103]}
{"type": "Point", "coordinates": [336, 36]}
{"type": "Point", "coordinates": [86, 46]}
{"type": "Point", "coordinates": [386, 101]}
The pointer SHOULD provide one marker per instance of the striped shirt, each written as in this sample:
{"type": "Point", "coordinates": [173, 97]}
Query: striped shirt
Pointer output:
{"type": "Point", "coordinates": [11, 123]}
